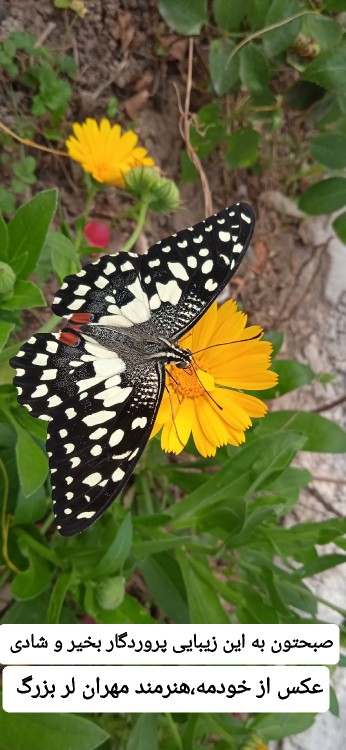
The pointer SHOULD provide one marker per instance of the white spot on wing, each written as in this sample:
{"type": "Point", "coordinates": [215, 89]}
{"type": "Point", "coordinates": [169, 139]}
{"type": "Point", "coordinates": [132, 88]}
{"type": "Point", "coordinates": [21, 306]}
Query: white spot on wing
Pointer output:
{"type": "Point", "coordinates": [224, 236]}
{"type": "Point", "coordinates": [139, 422]}
{"type": "Point", "coordinates": [98, 417]}
{"type": "Point", "coordinates": [178, 270]}
{"type": "Point", "coordinates": [92, 480]}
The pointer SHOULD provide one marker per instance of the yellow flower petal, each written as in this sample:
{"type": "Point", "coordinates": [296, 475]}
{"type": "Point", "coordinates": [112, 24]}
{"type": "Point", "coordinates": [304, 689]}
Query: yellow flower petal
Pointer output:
{"type": "Point", "coordinates": [104, 152]}
{"type": "Point", "coordinates": [206, 397]}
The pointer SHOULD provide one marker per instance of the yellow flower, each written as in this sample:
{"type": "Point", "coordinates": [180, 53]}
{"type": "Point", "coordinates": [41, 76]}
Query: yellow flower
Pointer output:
{"type": "Point", "coordinates": [205, 399]}
{"type": "Point", "coordinates": [104, 152]}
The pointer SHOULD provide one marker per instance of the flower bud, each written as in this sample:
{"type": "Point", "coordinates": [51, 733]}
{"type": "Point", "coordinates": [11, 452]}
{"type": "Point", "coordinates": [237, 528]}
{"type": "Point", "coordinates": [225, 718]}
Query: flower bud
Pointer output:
{"type": "Point", "coordinates": [161, 194]}
{"type": "Point", "coordinates": [7, 281]}
{"type": "Point", "coordinates": [110, 593]}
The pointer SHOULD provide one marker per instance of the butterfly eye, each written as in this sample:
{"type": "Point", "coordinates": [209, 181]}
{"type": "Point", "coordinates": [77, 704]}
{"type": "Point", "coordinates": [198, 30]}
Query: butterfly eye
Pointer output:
{"type": "Point", "coordinates": [182, 364]}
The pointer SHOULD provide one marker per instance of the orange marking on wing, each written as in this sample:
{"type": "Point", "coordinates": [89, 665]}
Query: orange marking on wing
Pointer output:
{"type": "Point", "coordinates": [81, 317]}
{"type": "Point", "coordinates": [69, 338]}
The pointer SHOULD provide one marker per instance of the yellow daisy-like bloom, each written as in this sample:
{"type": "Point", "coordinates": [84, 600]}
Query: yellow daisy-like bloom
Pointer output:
{"type": "Point", "coordinates": [207, 398]}
{"type": "Point", "coordinates": [104, 152]}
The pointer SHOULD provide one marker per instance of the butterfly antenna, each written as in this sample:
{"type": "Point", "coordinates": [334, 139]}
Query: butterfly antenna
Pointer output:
{"type": "Point", "coordinates": [227, 343]}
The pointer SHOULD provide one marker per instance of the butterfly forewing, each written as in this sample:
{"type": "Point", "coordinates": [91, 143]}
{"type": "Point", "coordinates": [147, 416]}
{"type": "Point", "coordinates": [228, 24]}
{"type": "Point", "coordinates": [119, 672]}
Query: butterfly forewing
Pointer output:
{"type": "Point", "coordinates": [99, 386]}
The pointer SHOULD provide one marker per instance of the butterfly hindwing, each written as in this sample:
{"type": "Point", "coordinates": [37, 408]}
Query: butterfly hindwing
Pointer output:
{"type": "Point", "coordinates": [100, 410]}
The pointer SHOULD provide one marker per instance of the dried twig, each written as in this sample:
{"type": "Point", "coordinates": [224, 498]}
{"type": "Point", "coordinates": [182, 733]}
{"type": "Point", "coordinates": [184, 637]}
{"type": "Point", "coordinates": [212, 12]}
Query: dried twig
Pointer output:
{"type": "Point", "coordinates": [331, 405]}
{"type": "Point", "coordinates": [184, 127]}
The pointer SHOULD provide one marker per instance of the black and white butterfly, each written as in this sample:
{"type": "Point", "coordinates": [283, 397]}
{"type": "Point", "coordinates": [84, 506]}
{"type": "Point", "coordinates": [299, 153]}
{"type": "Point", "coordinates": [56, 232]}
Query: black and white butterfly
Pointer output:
{"type": "Point", "coordinates": [100, 385]}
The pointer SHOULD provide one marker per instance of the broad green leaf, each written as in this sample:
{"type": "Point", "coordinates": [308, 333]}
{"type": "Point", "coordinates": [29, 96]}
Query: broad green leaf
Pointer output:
{"type": "Point", "coordinates": [185, 18]}
{"type": "Point", "coordinates": [31, 510]}
{"type": "Point", "coordinates": [242, 148]}
{"type": "Point", "coordinates": [280, 39]}
{"type": "Point", "coordinates": [163, 577]}
{"type": "Point", "coordinates": [188, 171]}
{"type": "Point", "coordinates": [32, 611]}
{"type": "Point", "coordinates": [223, 71]}
{"type": "Point", "coordinates": [114, 558]}
{"type": "Point", "coordinates": [223, 518]}
{"type": "Point", "coordinates": [144, 733]}
{"type": "Point", "coordinates": [3, 239]}
{"type": "Point", "coordinates": [329, 69]}
{"type": "Point", "coordinates": [25, 295]}
{"type": "Point", "coordinates": [28, 230]}
{"type": "Point", "coordinates": [278, 726]}
{"type": "Point", "coordinates": [335, 6]}
{"type": "Point", "coordinates": [54, 731]}
{"type": "Point", "coordinates": [326, 31]}
{"type": "Point", "coordinates": [57, 597]}
{"type": "Point", "coordinates": [324, 197]}
{"type": "Point", "coordinates": [229, 14]}
{"type": "Point", "coordinates": [63, 254]}
{"type": "Point", "coordinates": [256, 11]}
{"type": "Point", "coordinates": [276, 338]}
{"type": "Point", "coordinates": [297, 595]}
{"type": "Point", "coordinates": [339, 226]}
{"type": "Point", "coordinates": [32, 463]}
{"type": "Point", "coordinates": [321, 434]}
{"type": "Point", "coordinates": [5, 330]}
{"type": "Point", "coordinates": [254, 68]}
{"type": "Point", "coordinates": [209, 131]}
{"type": "Point", "coordinates": [329, 149]}
{"type": "Point", "coordinates": [36, 427]}
{"type": "Point", "coordinates": [204, 603]}
{"type": "Point", "coordinates": [36, 578]}
{"type": "Point", "coordinates": [250, 467]}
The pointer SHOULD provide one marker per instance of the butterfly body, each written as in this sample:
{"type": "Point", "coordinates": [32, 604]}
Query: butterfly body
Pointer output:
{"type": "Point", "coordinates": [100, 383]}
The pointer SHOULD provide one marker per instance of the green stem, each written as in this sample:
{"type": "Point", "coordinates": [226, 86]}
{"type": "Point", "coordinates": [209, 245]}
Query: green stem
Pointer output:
{"type": "Point", "coordinates": [137, 230]}
{"type": "Point", "coordinates": [174, 732]}
{"type": "Point", "coordinates": [148, 500]}
{"type": "Point", "coordinates": [341, 611]}
{"type": "Point", "coordinates": [50, 324]}
{"type": "Point", "coordinates": [47, 523]}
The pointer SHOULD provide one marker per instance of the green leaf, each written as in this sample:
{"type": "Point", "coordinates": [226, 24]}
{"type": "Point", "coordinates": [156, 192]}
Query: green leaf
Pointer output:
{"type": "Point", "coordinates": [188, 171]}
{"type": "Point", "coordinates": [32, 463]}
{"type": "Point", "coordinates": [254, 68]}
{"type": "Point", "coordinates": [324, 197]}
{"type": "Point", "coordinates": [242, 148]}
{"type": "Point", "coordinates": [163, 577]}
{"type": "Point", "coordinates": [339, 226]}
{"type": "Point", "coordinates": [209, 131]}
{"type": "Point", "coordinates": [32, 581]}
{"type": "Point", "coordinates": [7, 201]}
{"type": "Point", "coordinates": [223, 71]}
{"type": "Point", "coordinates": [321, 434]}
{"type": "Point", "coordinates": [185, 18]}
{"type": "Point", "coordinates": [329, 149]}
{"type": "Point", "coordinates": [256, 13]}
{"type": "Point", "coordinates": [229, 14]}
{"type": "Point", "coordinates": [57, 597]}
{"type": "Point", "coordinates": [276, 338]}
{"type": "Point", "coordinates": [114, 558]}
{"type": "Point", "coordinates": [5, 330]}
{"type": "Point", "coordinates": [144, 733]}
{"type": "Point", "coordinates": [25, 294]}
{"type": "Point", "coordinates": [3, 239]}
{"type": "Point", "coordinates": [249, 468]}
{"type": "Point", "coordinates": [30, 511]}
{"type": "Point", "coordinates": [325, 562]}
{"type": "Point", "coordinates": [278, 726]}
{"type": "Point", "coordinates": [28, 230]}
{"type": "Point", "coordinates": [329, 69]}
{"type": "Point", "coordinates": [63, 254]}
{"type": "Point", "coordinates": [280, 39]}
{"type": "Point", "coordinates": [53, 731]}
{"type": "Point", "coordinates": [326, 31]}
{"type": "Point", "coordinates": [204, 604]}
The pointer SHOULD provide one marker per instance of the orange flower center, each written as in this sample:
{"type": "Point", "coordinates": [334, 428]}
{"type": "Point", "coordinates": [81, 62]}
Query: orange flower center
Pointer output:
{"type": "Point", "coordinates": [192, 382]}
